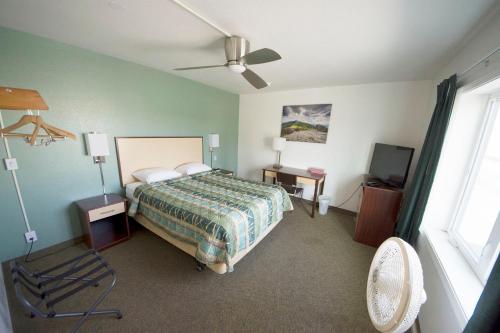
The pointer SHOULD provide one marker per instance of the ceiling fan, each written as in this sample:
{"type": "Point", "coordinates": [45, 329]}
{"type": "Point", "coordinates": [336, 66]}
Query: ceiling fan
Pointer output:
{"type": "Point", "coordinates": [238, 58]}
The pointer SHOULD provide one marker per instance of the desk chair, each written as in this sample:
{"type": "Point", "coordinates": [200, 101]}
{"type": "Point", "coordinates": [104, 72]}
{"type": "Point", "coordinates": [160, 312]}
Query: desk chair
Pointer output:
{"type": "Point", "coordinates": [289, 183]}
{"type": "Point", "coordinates": [39, 292]}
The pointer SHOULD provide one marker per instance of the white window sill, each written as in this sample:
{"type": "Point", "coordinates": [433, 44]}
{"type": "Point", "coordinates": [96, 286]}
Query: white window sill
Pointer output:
{"type": "Point", "coordinates": [465, 288]}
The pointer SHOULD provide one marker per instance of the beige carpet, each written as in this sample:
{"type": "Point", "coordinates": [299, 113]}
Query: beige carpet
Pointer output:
{"type": "Point", "coordinates": [308, 275]}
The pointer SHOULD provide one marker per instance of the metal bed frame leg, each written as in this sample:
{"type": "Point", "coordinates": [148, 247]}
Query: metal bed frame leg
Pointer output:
{"type": "Point", "coordinates": [200, 266]}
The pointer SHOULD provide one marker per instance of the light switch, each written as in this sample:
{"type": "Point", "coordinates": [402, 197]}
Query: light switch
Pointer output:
{"type": "Point", "coordinates": [10, 163]}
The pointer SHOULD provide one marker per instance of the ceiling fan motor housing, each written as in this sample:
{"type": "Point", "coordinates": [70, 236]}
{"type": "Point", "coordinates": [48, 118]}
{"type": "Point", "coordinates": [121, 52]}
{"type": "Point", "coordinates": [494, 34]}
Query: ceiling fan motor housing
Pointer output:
{"type": "Point", "coordinates": [238, 56]}
{"type": "Point", "coordinates": [236, 47]}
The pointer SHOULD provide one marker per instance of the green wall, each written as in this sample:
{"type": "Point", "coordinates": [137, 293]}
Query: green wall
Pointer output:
{"type": "Point", "coordinates": [86, 92]}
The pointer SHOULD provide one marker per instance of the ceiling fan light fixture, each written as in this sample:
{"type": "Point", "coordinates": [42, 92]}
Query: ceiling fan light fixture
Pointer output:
{"type": "Point", "coordinates": [238, 58]}
{"type": "Point", "coordinates": [237, 68]}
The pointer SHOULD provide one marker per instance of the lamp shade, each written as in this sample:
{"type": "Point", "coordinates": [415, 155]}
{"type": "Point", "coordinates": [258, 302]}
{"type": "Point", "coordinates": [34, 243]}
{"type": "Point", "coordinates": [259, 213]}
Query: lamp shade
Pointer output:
{"type": "Point", "coordinates": [279, 144]}
{"type": "Point", "coordinates": [97, 144]}
{"type": "Point", "coordinates": [213, 140]}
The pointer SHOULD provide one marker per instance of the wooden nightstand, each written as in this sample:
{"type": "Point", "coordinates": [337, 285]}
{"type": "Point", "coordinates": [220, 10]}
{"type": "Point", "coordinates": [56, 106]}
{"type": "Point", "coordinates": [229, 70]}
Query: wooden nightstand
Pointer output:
{"type": "Point", "coordinates": [226, 172]}
{"type": "Point", "coordinates": [105, 222]}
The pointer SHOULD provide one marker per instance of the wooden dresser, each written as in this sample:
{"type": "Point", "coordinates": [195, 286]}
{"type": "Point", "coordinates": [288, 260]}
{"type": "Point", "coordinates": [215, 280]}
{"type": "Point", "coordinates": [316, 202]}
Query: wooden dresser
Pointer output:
{"type": "Point", "coordinates": [377, 214]}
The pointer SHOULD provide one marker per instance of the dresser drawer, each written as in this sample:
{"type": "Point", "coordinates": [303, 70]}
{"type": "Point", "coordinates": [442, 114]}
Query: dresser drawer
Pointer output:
{"type": "Point", "coordinates": [100, 213]}
{"type": "Point", "coordinates": [271, 174]}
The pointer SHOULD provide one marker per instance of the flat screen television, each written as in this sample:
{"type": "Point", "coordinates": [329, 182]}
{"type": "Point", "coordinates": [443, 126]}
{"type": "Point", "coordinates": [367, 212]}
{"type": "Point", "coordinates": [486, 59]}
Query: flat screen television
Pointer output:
{"type": "Point", "coordinates": [390, 164]}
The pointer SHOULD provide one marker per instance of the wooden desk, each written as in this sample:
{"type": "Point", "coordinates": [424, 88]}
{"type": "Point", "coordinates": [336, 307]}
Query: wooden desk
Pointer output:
{"type": "Point", "coordinates": [303, 177]}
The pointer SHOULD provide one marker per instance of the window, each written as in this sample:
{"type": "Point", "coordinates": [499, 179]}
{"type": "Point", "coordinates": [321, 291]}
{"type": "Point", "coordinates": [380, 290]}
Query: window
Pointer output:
{"type": "Point", "coordinates": [475, 228]}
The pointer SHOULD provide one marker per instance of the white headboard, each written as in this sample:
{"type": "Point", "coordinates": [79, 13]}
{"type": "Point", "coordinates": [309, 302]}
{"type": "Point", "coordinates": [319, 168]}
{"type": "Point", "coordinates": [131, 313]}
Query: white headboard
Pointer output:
{"type": "Point", "coordinates": [136, 153]}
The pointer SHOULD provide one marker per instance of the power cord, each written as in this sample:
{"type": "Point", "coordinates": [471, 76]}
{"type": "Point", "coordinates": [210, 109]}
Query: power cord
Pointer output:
{"type": "Point", "coordinates": [27, 257]}
{"type": "Point", "coordinates": [350, 197]}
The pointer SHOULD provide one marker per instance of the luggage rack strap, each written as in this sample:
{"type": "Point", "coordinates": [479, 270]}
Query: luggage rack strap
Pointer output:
{"type": "Point", "coordinates": [80, 287]}
{"type": "Point", "coordinates": [90, 252]}
{"type": "Point", "coordinates": [16, 280]}
{"type": "Point", "coordinates": [20, 274]}
{"type": "Point", "coordinates": [77, 279]}
{"type": "Point", "coordinates": [69, 272]}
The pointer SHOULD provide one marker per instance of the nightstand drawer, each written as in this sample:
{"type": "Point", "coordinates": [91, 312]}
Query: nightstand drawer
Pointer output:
{"type": "Point", "coordinates": [103, 212]}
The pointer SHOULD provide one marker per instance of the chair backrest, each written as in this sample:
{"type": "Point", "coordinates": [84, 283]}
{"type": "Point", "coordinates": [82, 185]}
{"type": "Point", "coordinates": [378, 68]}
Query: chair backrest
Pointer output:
{"type": "Point", "coordinates": [286, 179]}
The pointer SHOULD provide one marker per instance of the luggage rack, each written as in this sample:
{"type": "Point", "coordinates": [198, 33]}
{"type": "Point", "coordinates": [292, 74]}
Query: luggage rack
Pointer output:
{"type": "Point", "coordinates": [45, 290]}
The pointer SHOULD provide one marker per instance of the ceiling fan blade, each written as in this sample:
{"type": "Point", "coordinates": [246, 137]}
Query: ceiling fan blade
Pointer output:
{"type": "Point", "coordinates": [197, 67]}
{"type": "Point", "coordinates": [254, 79]}
{"type": "Point", "coordinates": [261, 56]}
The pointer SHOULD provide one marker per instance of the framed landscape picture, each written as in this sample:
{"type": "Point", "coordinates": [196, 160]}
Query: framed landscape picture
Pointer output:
{"type": "Point", "coordinates": [306, 123]}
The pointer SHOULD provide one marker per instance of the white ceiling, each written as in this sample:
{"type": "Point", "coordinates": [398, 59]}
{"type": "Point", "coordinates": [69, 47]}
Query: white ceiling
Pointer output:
{"type": "Point", "coordinates": [322, 42]}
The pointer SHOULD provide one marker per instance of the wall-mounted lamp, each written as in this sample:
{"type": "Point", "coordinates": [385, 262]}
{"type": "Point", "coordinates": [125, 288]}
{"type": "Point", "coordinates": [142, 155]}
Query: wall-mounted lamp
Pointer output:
{"type": "Point", "coordinates": [97, 147]}
{"type": "Point", "coordinates": [279, 146]}
{"type": "Point", "coordinates": [213, 142]}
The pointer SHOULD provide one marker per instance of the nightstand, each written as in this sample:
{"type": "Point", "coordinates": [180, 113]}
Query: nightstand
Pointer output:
{"type": "Point", "coordinates": [226, 172]}
{"type": "Point", "coordinates": [105, 222]}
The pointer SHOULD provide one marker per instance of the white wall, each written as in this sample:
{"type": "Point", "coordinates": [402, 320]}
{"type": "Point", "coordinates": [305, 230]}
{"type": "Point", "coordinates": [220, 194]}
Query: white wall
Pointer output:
{"type": "Point", "coordinates": [393, 113]}
{"type": "Point", "coordinates": [435, 315]}
{"type": "Point", "coordinates": [438, 314]}
{"type": "Point", "coordinates": [485, 40]}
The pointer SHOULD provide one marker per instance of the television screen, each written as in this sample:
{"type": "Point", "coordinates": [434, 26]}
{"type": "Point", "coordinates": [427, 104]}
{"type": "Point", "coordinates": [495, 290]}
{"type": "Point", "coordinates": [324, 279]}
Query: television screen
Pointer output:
{"type": "Point", "coordinates": [390, 164]}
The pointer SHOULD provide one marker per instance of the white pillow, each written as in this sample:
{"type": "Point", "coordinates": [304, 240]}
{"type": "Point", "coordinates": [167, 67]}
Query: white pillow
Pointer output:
{"type": "Point", "coordinates": [192, 168]}
{"type": "Point", "coordinates": [151, 175]}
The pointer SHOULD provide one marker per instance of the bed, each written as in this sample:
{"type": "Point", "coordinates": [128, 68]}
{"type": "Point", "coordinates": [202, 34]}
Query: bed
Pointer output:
{"type": "Point", "coordinates": [214, 217]}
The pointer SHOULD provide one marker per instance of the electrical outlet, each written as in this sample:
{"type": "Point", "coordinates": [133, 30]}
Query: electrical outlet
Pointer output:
{"type": "Point", "coordinates": [215, 157]}
{"type": "Point", "coordinates": [10, 163]}
{"type": "Point", "coordinates": [30, 236]}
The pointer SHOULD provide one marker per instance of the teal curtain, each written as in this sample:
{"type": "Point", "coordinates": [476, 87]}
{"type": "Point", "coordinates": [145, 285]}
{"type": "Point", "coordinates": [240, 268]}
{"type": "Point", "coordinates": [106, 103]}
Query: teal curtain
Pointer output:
{"type": "Point", "coordinates": [486, 316]}
{"type": "Point", "coordinates": [412, 210]}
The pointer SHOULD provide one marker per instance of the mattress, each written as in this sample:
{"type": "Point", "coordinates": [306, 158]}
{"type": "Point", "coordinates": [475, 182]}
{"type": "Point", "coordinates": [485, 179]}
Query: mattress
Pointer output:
{"type": "Point", "coordinates": [221, 216]}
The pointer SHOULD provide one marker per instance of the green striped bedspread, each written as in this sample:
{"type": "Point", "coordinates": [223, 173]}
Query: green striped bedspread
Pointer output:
{"type": "Point", "coordinates": [219, 214]}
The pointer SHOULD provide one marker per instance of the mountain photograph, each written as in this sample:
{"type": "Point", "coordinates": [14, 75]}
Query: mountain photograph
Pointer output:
{"type": "Point", "coordinates": [306, 123]}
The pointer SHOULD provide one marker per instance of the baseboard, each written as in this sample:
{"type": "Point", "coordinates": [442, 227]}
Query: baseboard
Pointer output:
{"type": "Point", "coordinates": [51, 249]}
{"type": "Point", "coordinates": [333, 208]}
{"type": "Point", "coordinates": [343, 211]}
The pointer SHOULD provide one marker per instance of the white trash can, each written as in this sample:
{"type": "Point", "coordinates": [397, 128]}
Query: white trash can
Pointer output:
{"type": "Point", "coordinates": [324, 202]}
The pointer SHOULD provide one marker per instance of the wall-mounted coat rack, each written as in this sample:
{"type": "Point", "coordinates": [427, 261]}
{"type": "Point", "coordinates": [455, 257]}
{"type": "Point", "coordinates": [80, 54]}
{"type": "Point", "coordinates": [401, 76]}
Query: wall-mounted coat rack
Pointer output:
{"type": "Point", "coordinates": [29, 100]}
{"type": "Point", "coordinates": [15, 99]}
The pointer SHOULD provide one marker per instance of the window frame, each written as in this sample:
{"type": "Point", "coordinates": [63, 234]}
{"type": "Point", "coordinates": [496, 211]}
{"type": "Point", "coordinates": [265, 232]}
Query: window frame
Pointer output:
{"type": "Point", "coordinates": [483, 263]}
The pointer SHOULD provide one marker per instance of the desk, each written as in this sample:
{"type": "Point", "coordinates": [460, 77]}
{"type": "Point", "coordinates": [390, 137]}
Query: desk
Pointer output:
{"type": "Point", "coordinates": [302, 176]}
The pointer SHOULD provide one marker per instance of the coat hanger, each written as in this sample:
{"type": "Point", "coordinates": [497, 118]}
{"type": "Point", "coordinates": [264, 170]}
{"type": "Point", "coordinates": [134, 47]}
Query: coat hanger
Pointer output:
{"type": "Point", "coordinates": [51, 132]}
{"type": "Point", "coordinates": [24, 99]}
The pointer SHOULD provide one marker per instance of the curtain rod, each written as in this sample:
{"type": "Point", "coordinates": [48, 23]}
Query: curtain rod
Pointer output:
{"type": "Point", "coordinates": [460, 75]}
